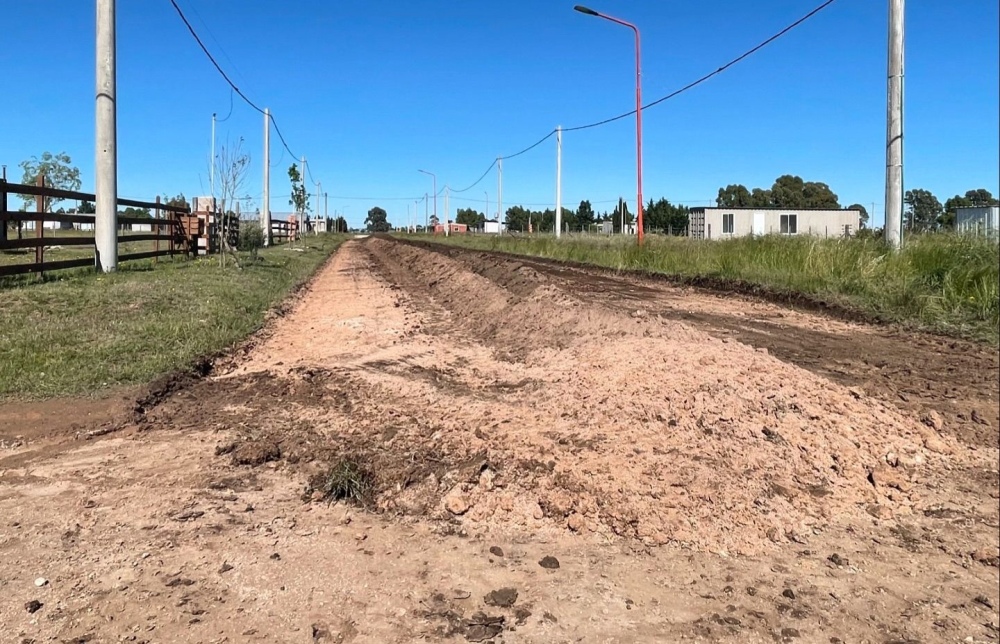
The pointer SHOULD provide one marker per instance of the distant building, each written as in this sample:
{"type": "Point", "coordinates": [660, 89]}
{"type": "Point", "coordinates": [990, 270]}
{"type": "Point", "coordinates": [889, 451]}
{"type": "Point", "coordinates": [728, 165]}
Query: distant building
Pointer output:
{"type": "Point", "coordinates": [726, 223]}
{"type": "Point", "coordinates": [453, 229]}
{"type": "Point", "coordinates": [978, 220]}
{"type": "Point", "coordinates": [493, 227]}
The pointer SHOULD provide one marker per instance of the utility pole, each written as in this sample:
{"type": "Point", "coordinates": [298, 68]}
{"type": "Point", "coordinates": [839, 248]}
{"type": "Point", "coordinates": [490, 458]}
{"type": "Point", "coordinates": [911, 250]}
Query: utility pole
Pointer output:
{"type": "Point", "coordinates": [211, 160]}
{"type": "Point", "coordinates": [558, 181]}
{"type": "Point", "coordinates": [106, 144]}
{"type": "Point", "coordinates": [447, 212]}
{"type": "Point", "coordinates": [499, 195]}
{"type": "Point", "coordinates": [305, 201]}
{"type": "Point", "coordinates": [319, 191]}
{"type": "Point", "coordinates": [487, 204]}
{"type": "Point", "coordinates": [894, 129]}
{"type": "Point", "coordinates": [427, 219]}
{"type": "Point", "coordinates": [265, 213]}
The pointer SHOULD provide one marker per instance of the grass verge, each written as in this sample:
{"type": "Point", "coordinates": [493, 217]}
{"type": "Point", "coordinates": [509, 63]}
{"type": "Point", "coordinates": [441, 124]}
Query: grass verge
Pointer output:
{"type": "Point", "coordinates": [81, 333]}
{"type": "Point", "coordinates": [943, 283]}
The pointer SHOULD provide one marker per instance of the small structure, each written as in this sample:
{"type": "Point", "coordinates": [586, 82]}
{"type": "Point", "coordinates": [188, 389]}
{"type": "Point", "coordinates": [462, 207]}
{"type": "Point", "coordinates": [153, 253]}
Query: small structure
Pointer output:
{"type": "Point", "coordinates": [726, 223]}
{"type": "Point", "coordinates": [453, 228]}
{"type": "Point", "coordinates": [978, 220]}
{"type": "Point", "coordinates": [494, 227]}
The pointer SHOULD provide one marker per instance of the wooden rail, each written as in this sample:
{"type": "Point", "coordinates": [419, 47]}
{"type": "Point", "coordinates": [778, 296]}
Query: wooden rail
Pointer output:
{"type": "Point", "coordinates": [169, 229]}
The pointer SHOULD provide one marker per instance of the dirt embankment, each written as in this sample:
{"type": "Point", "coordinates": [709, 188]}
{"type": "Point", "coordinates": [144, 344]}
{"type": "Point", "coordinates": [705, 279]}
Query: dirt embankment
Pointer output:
{"type": "Point", "coordinates": [662, 432]}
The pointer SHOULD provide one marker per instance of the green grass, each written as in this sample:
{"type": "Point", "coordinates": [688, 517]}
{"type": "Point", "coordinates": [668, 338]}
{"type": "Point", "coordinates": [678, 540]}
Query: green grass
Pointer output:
{"type": "Point", "coordinates": [81, 332]}
{"type": "Point", "coordinates": [944, 283]}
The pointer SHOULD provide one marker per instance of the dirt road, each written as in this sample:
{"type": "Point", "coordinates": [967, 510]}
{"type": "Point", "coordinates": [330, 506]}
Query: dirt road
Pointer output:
{"type": "Point", "coordinates": [543, 453]}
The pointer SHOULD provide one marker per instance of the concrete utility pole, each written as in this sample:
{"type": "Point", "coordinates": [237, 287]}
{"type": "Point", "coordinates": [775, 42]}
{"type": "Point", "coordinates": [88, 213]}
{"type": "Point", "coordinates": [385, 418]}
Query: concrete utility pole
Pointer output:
{"type": "Point", "coordinates": [265, 213]}
{"type": "Point", "coordinates": [499, 195]}
{"type": "Point", "coordinates": [447, 213]}
{"type": "Point", "coordinates": [211, 160]}
{"type": "Point", "coordinates": [319, 191]}
{"type": "Point", "coordinates": [558, 182]}
{"type": "Point", "coordinates": [894, 129]}
{"type": "Point", "coordinates": [106, 144]}
{"type": "Point", "coordinates": [427, 217]}
{"type": "Point", "coordinates": [305, 202]}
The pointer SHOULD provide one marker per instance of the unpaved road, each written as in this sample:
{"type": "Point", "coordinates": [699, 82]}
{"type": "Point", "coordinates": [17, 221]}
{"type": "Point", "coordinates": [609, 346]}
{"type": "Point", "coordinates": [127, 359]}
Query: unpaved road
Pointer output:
{"type": "Point", "coordinates": [702, 467]}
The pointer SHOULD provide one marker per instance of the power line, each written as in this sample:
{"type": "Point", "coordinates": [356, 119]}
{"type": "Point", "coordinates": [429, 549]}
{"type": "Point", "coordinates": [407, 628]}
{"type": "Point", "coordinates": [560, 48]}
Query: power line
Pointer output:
{"type": "Point", "coordinates": [226, 77]}
{"type": "Point", "coordinates": [230, 108]}
{"type": "Point", "coordinates": [704, 78]}
{"type": "Point", "coordinates": [509, 156]}
{"type": "Point", "coordinates": [687, 87]}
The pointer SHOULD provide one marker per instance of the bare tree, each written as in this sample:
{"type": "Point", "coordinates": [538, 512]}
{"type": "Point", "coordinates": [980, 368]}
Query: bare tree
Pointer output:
{"type": "Point", "coordinates": [231, 165]}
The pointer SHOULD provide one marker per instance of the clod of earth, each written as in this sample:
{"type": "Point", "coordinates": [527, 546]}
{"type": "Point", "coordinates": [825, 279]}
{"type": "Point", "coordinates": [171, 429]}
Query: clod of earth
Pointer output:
{"type": "Point", "coordinates": [496, 551]}
{"type": "Point", "coordinates": [837, 560]}
{"type": "Point", "coordinates": [481, 627]}
{"type": "Point", "coordinates": [33, 606]}
{"type": "Point", "coordinates": [549, 563]}
{"type": "Point", "coordinates": [502, 597]}
{"type": "Point", "coordinates": [256, 452]}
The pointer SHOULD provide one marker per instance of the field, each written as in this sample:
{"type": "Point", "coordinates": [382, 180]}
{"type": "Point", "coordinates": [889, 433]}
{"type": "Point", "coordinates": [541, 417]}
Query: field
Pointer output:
{"type": "Point", "coordinates": [944, 283]}
{"type": "Point", "coordinates": [437, 443]}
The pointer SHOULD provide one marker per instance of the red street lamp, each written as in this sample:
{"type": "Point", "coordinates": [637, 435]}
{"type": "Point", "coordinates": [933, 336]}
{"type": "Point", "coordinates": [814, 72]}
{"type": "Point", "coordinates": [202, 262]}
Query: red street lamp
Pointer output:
{"type": "Point", "coordinates": [638, 107]}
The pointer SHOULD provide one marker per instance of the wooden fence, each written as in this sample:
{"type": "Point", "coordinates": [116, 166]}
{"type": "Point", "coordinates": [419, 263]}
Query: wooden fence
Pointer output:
{"type": "Point", "coordinates": [283, 231]}
{"type": "Point", "coordinates": [170, 229]}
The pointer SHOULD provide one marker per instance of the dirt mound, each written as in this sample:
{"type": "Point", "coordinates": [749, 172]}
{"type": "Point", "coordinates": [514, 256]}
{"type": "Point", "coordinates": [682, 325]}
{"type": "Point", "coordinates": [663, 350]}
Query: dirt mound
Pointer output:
{"type": "Point", "coordinates": [647, 428]}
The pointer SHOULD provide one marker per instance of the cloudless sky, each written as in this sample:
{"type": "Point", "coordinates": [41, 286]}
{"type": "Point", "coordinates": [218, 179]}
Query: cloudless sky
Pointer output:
{"type": "Point", "coordinates": [371, 90]}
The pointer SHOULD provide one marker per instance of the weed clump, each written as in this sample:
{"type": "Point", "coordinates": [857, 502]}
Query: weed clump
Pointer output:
{"type": "Point", "coordinates": [348, 479]}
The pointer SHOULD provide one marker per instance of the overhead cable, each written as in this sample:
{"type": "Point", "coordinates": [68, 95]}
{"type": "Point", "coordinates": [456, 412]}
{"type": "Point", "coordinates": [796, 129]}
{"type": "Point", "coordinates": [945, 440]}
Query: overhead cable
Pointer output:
{"type": "Point", "coordinates": [226, 77]}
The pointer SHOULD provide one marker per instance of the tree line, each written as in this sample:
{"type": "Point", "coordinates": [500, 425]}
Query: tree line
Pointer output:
{"type": "Point", "coordinates": [925, 212]}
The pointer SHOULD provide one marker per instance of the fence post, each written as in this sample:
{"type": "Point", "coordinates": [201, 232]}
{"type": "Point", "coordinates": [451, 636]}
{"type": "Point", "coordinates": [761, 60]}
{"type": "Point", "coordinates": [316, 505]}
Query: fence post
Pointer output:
{"type": "Point", "coordinates": [40, 223]}
{"type": "Point", "coordinates": [156, 224]}
{"type": "Point", "coordinates": [3, 209]}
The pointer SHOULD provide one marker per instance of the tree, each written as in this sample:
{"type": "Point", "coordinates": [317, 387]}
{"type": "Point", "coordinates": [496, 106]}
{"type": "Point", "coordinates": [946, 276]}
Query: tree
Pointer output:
{"type": "Point", "coordinates": [58, 174]}
{"type": "Point", "coordinates": [663, 215]}
{"type": "Point", "coordinates": [517, 218]}
{"type": "Point", "coordinates": [616, 216]}
{"type": "Point", "coordinates": [864, 213]}
{"type": "Point", "coordinates": [585, 214]}
{"type": "Point", "coordinates": [923, 210]}
{"type": "Point", "coordinates": [734, 196]}
{"type": "Point", "coordinates": [339, 225]}
{"type": "Point", "coordinates": [760, 198]}
{"type": "Point", "coordinates": [788, 191]}
{"type": "Point", "coordinates": [981, 198]}
{"type": "Point", "coordinates": [470, 217]}
{"type": "Point", "coordinates": [299, 199]}
{"type": "Point", "coordinates": [232, 164]}
{"type": "Point", "coordinates": [180, 201]}
{"type": "Point", "coordinates": [819, 195]}
{"type": "Point", "coordinates": [86, 208]}
{"type": "Point", "coordinates": [377, 221]}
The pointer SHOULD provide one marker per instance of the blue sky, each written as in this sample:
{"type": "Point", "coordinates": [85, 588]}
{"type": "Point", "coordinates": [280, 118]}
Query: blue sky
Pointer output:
{"type": "Point", "coordinates": [370, 91]}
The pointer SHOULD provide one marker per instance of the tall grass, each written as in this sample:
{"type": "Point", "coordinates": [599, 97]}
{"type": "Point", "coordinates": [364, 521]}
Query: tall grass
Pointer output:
{"type": "Point", "coordinates": [942, 282]}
